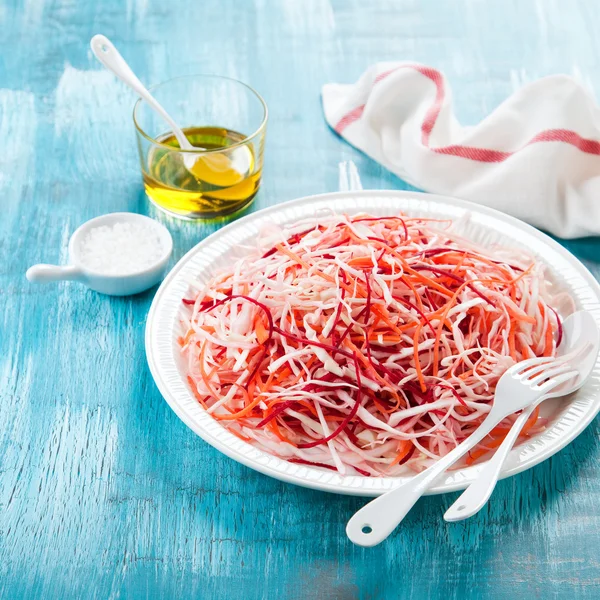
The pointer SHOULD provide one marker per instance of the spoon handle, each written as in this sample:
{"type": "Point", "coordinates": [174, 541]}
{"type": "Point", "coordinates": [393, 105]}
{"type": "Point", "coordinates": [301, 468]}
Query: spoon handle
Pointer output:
{"type": "Point", "coordinates": [473, 499]}
{"type": "Point", "coordinates": [349, 177]}
{"type": "Point", "coordinates": [110, 57]}
{"type": "Point", "coordinates": [374, 522]}
{"type": "Point", "coordinates": [46, 273]}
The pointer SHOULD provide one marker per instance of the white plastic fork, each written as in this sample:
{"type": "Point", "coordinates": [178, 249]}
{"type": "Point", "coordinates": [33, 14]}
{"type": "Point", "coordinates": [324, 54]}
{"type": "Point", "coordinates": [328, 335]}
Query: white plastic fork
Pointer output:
{"type": "Point", "coordinates": [518, 388]}
{"type": "Point", "coordinates": [580, 331]}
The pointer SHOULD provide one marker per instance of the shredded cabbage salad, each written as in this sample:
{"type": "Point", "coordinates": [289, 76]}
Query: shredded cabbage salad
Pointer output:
{"type": "Point", "coordinates": [365, 345]}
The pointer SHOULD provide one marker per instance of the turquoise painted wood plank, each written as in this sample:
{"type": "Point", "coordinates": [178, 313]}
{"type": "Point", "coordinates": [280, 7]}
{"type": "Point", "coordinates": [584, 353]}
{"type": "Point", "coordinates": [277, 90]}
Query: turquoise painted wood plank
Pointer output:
{"type": "Point", "coordinates": [103, 492]}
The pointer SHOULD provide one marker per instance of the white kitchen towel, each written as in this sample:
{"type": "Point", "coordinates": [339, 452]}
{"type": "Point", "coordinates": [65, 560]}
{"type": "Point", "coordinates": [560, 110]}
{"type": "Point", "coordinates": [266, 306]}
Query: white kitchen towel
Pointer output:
{"type": "Point", "coordinates": [537, 156]}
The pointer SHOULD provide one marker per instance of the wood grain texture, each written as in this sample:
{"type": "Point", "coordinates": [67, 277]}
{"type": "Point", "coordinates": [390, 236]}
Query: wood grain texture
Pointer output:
{"type": "Point", "coordinates": [104, 493]}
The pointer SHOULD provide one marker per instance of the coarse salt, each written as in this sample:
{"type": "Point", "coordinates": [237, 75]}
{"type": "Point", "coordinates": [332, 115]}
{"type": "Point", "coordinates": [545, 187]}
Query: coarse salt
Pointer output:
{"type": "Point", "coordinates": [121, 249]}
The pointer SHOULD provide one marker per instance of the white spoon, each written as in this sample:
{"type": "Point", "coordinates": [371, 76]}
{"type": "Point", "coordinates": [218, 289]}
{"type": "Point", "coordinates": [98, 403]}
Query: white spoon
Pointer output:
{"type": "Point", "coordinates": [110, 57]}
{"type": "Point", "coordinates": [579, 329]}
{"type": "Point", "coordinates": [518, 388]}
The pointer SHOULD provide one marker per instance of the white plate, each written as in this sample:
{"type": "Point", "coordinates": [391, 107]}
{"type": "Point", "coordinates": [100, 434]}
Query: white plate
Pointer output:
{"type": "Point", "coordinates": [568, 418]}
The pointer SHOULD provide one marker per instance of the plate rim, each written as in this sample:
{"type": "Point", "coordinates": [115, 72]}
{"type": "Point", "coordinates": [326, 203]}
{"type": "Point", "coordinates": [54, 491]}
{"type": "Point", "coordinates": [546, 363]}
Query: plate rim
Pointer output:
{"type": "Point", "coordinates": [295, 478]}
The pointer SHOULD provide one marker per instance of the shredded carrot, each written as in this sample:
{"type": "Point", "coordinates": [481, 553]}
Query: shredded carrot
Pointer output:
{"type": "Point", "coordinates": [549, 343]}
{"type": "Point", "coordinates": [205, 379]}
{"type": "Point", "coordinates": [292, 255]}
{"type": "Point", "coordinates": [239, 435]}
{"type": "Point", "coordinates": [511, 340]}
{"type": "Point", "coordinates": [262, 335]}
{"type": "Point", "coordinates": [197, 395]}
{"type": "Point", "coordinates": [416, 358]}
{"type": "Point", "coordinates": [240, 413]}
{"type": "Point", "coordinates": [404, 447]}
{"type": "Point", "coordinates": [361, 262]}
{"type": "Point", "coordinates": [272, 425]}
{"type": "Point", "coordinates": [498, 434]}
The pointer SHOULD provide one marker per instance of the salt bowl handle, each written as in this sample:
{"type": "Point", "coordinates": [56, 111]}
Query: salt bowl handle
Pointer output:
{"type": "Point", "coordinates": [46, 273]}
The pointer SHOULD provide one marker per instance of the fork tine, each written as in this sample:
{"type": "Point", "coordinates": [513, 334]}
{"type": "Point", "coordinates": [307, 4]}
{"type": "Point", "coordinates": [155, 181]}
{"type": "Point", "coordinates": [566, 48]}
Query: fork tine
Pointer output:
{"type": "Point", "coordinates": [531, 362]}
{"type": "Point", "coordinates": [528, 369]}
{"type": "Point", "coordinates": [552, 383]}
{"type": "Point", "coordinates": [549, 373]}
{"type": "Point", "coordinates": [541, 369]}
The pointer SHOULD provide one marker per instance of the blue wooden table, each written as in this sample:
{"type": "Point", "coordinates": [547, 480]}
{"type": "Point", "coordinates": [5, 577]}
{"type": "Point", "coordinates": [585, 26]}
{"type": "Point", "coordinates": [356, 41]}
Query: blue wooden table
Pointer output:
{"type": "Point", "coordinates": [104, 493]}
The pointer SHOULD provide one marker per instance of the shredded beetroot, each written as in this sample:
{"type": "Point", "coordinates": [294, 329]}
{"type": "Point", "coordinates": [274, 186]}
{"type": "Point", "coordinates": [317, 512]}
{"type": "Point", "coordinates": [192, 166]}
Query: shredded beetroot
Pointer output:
{"type": "Point", "coordinates": [295, 338]}
{"type": "Point", "coordinates": [380, 219]}
{"type": "Point", "coordinates": [417, 310]}
{"type": "Point", "coordinates": [337, 344]}
{"type": "Point", "coordinates": [455, 277]}
{"type": "Point", "coordinates": [346, 420]}
{"type": "Point", "coordinates": [280, 408]}
{"type": "Point", "coordinates": [559, 334]}
{"type": "Point", "coordinates": [408, 456]}
{"type": "Point", "coordinates": [363, 473]}
{"type": "Point", "coordinates": [301, 461]}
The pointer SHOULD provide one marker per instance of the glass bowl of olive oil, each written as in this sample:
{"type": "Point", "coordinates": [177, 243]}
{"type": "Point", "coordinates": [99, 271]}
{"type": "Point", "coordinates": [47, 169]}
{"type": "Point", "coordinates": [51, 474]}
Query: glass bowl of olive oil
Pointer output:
{"type": "Point", "coordinates": [225, 120]}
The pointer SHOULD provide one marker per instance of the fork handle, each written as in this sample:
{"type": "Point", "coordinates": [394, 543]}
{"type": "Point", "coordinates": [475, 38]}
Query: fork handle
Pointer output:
{"type": "Point", "coordinates": [478, 493]}
{"type": "Point", "coordinates": [375, 521]}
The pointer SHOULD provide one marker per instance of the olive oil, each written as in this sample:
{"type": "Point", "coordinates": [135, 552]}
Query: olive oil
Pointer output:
{"type": "Point", "coordinates": [218, 183]}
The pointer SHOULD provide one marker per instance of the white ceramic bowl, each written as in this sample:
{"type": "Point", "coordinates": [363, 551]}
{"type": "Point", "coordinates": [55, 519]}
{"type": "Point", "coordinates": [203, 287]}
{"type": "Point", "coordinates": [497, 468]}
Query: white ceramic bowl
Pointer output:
{"type": "Point", "coordinates": [112, 285]}
{"type": "Point", "coordinates": [568, 417]}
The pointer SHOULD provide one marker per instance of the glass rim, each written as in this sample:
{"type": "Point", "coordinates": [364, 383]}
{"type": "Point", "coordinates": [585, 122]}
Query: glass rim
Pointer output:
{"type": "Point", "coordinates": [245, 141]}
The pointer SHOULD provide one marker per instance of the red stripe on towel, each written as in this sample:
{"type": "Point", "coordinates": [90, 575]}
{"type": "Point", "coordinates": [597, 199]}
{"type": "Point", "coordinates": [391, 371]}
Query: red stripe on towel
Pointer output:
{"type": "Point", "coordinates": [469, 152]}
